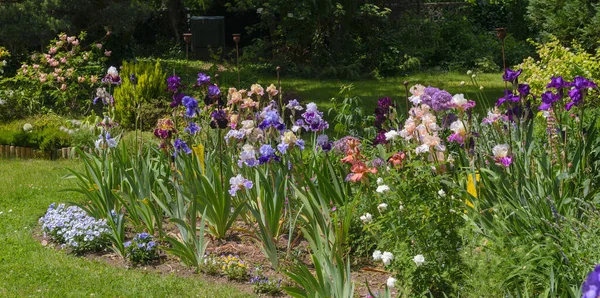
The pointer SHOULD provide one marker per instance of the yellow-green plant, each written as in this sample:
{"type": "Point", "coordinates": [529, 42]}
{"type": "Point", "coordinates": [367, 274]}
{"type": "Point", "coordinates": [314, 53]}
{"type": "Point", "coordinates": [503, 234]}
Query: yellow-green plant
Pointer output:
{"type": "Point", "coordinates": [558, 60]}
{"type": "Point", "coordinates": [147, 84]}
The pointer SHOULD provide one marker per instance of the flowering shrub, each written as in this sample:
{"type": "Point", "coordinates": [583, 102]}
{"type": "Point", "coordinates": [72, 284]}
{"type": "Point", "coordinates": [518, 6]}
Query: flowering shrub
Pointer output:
{"type": "Point", "coordinates": [141, 249]}
{"type": "Point", "coordinates": [68, 70]}
{"type": "Point", "coordinates": [74, 229]}
{"type": "Point", "coordinates": [557, 60]}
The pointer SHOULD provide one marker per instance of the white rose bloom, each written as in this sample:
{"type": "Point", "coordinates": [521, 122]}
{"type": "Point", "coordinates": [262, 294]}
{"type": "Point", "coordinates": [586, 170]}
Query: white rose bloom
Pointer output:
{"type": "Point", "coordinates": [387, 257]}
{"type": "Point", "coordinates": [382, 188]}
{"type": "Point", "coordinates": [382, 207]}
{"type": "Point", "coordinates": [401, 207]}
{"type": "Point", "coordinates": [391, 282]}
{"type": "Point", "coordinates": [290, 15]}
{"type": "Point", "coordinates": [469, 72]}
{"type": "Point", "coordinates": [379, 181]}
{"type": "Point", "coordinates": [377, 255]}
{"type": "Point", "coordinates": [259, 10]}
{"type": "Point", "coordinates": [391, 135]}
{"type": "Point", "coordinates": [419, 260]}
{"type": "Point", "coordinates": [500, 151]}
{"type": "Point", "coordinates": [2, 101]}
{"type": "Point", "coordinates": [459, 100]}
{"type": "Point", "coordinates": [367, 218]}
{"type": "Point", "coordinates": [442, 193]}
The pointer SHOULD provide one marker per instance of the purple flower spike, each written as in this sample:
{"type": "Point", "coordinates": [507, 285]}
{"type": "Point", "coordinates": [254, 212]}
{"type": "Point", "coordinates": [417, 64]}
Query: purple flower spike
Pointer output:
{"type": "Point", "coordinates": [511, 75]}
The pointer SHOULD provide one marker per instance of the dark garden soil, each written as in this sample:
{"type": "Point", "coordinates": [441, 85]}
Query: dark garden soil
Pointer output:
{"type": "Point", "coordinates": [238, 243]}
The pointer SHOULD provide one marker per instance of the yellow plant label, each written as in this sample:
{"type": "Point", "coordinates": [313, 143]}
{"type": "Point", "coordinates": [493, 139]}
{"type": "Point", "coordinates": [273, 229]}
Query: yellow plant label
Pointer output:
{"type": "Point", "coordinates": [471, 189]}
{"type": "Point", "coordinates": [199, 151]}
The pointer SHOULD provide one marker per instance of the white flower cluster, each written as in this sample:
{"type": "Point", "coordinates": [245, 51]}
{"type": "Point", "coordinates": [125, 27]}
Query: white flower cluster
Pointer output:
{"type": "Point", "coordinates": [386, 257]}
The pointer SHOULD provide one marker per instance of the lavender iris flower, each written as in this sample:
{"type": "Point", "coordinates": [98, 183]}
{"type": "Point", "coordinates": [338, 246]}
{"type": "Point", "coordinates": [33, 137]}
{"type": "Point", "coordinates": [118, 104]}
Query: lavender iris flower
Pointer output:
{"type": "Point", "coordinates": [203, 79]}
{"type": "Point", "coordinates": [591, 285]}
{"type": "Point", "coordinates": [192, 128]}
{"type": "Point", "coordinates": [524, 89]}
{"type": "Point", "coordinates": [180, 145]}
{"type": "Point", "coordinates": [213, 91]}
{"type": "Point", "coordinates": [191, 105]}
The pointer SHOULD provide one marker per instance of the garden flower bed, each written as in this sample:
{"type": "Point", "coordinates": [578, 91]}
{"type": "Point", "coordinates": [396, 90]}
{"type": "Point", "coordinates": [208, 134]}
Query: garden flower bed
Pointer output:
{"type": "Point", "coordinates": [243, 179]}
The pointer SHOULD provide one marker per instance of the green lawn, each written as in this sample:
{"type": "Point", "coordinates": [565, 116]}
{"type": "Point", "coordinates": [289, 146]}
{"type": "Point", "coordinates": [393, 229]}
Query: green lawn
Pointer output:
{"type": "Point", "coordinates": [321, 91]}
{"type": "Point", "coordinates": [29, 269]}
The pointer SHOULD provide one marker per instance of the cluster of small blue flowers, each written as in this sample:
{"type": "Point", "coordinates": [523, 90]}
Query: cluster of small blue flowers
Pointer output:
{"type": "Point", "coordinates": [141, 249]}
{"type": "Point", "coordinates": [262, 285]}
{"type": "Point", "coordinates": [73, 228]}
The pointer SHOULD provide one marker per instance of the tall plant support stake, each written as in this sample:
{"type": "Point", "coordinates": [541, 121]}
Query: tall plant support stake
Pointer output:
{"type": "Point", "coordinates": [501, 34]}
{"type": "Point", "coordinates": [187, 37]}
{"type": "Point", "coordinates": [279, 90]}
{"type": "Point", "coordinates": [236, 39]}
{"type": "Point", "coordinates": [406, 95]}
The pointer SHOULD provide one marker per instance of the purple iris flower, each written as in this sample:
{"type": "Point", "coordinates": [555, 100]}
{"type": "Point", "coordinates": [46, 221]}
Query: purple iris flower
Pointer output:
{"type": "Point", "coordinates": [173, 83]}
{"type": "Point", "coordinates": [219, 119]}
{"type": "Point", "coordinates": [524, 89]}
{"type": "Point", "coordinates": [177, 98]}
{"type": "Point", "coordinates": [558, 83]}
{"type": "Point", "coordinates": [380, 138]}
{"type": "Point", "coordinates": [511, 75]}
{"type": "Point", "coordinates": [203, 79]}
{"type": "Point", "coordinates": [384, 102]}
{"type": "Point", "coordinates": [591, 285]}
{"type": "Point", "coordinates": [180, 145]}
{"type": "Point", "coordinates": [324, 143]}
{"type": "Point", "coordinates": [213, 91]}
{"type": "Point", "coordinates": [192, 128]}
{"type": "Point", "coordinates": [508, 96]}
{"type": "Point", "coordinates": [583, 83]}
{"type": "Point", "coordinates": [191, 105]}
{"type": "Point", "coordinates": [267, 153]}
{"type": "Point", "coordinates": [548, 98]}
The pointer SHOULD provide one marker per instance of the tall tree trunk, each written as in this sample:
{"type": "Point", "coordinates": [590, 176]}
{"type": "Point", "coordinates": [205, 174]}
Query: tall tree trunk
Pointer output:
{"type": "Point", "coordinates": [176, 16]}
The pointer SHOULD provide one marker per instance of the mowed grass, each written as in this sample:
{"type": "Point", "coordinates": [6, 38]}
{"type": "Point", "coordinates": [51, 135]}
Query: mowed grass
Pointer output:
{"type": "Point", "coordinates": [321, 90]}
{"type": "Point", "coordinates": [29, 269]}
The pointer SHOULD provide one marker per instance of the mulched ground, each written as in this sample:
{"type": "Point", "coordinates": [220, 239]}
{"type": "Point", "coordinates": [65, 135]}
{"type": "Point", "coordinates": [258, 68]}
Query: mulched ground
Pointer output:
{"type": "Point", "coordinates": [237, 244]}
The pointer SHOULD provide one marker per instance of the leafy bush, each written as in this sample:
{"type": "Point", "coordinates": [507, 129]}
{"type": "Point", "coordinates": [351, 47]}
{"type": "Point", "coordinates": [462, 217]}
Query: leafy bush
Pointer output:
{"type": "Point", "coordinates": [137, 100]}
{"type": "Point", "coordinates": [74, 229]}
{"type": "Point", "coordinates": [556, 59]}
{"type": "Point", "coordinates": [45, 133]}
